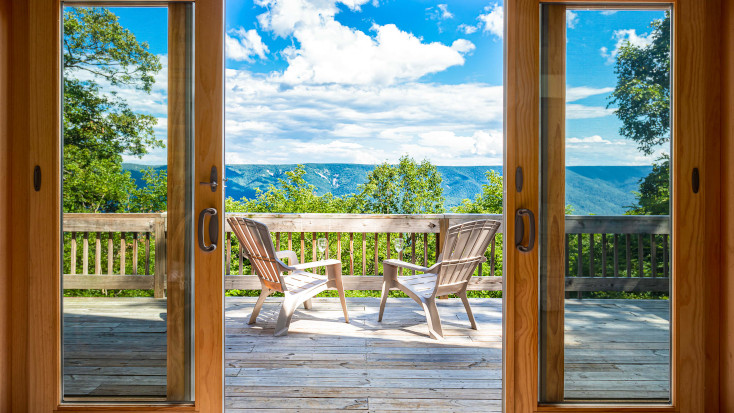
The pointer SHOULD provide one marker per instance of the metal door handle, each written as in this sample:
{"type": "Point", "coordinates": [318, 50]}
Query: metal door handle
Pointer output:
{"type": "Point", "coordinates": [520, 229]}
{"type": "Point", "coordinates": [213, 230]}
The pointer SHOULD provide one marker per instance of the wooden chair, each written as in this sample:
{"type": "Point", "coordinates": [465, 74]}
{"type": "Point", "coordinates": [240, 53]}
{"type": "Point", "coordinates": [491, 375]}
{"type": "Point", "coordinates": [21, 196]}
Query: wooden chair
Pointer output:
{"type": "Point", "coordinates": [463, 250]}
{"type": "Point", "coordinates": [297, 285]}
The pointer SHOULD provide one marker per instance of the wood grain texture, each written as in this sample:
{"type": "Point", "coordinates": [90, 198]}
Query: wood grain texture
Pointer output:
{"type": "Point", "coordinates": [35, 133]}
{"type": "Point", "coordinates": [209, 151]}
{"type": "Point", "coordinates": [553, 226]}
{"type": "Point", "coordinates": [726, 349]}
{"type": "Point", "coordinates": [43, 221]}
{"type": "Point", "coordinates": [19, 160]}
{"type": "Point", "coordinates": [178, 207]}
{"type": "Point", "coordinates": [696, 231]}
{"type": "Point", "coordinates": [5, 208]}
{"type": "Point", "coordinates": [522, 97]}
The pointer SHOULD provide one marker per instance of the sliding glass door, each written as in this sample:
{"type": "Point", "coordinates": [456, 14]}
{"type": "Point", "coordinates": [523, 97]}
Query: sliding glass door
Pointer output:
{"type": "Point", "coordinates": [604, 222]}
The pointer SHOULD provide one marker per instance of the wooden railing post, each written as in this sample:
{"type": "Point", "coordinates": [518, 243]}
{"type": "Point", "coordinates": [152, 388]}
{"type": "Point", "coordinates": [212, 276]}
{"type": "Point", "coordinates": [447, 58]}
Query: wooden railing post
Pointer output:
{"type": "Point", "coordinates": [159, 274]}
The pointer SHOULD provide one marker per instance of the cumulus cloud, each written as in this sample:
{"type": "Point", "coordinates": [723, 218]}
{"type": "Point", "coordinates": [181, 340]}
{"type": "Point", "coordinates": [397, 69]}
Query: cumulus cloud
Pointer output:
{"type": "Point", "coordinates": [243, 45]}
{"type": "Point", "coordinates": [494, 20]}
{"type": "Point", "coordinates": [467, 29]}
{"type": "Point", "coordinates": [463, 46]}
{"type": "Point", "coordinates": [623, 37]}
{"type": "Point", "coordinates": [329, 52]}
{"type": "Point", "coordinates": [360, 123]}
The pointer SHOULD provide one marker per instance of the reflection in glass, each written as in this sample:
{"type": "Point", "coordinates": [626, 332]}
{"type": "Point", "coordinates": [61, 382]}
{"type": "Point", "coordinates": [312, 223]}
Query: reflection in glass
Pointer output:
{"type": "Point", "coordinates": [126, 105]}
{"type": "Point", "coordinates": [605, 265]}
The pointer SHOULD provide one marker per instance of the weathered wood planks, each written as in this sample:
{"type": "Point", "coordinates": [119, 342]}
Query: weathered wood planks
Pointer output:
{"type": "Point", "coordinates": [116, 347]}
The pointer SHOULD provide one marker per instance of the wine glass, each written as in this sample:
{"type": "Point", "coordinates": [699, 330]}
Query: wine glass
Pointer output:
{"type": "Point", "coordinates": [321, 243]}
{"type": "Point", "coordinates": [399, 244]}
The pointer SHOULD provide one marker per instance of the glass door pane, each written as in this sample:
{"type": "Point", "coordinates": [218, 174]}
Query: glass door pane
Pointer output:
{"type": "Point", "coordinates": [127, 202]}
{"type": "Point", "coordinates": [605, 204]}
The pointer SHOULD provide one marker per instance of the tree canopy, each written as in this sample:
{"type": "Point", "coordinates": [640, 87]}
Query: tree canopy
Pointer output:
{"type": "Point", "coordinates": [99, 127]}
{"type": "Point", "coordinates": [406, 188]}
{"type": "Point", "coordinates": [642, 101]}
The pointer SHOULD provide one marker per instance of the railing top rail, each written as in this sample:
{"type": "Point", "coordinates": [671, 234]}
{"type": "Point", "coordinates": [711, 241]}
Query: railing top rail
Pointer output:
{"type": "Point", "coordinates": [418, 223]}
{"type": "Point", "coordinates": [112, 222]}
{"type": "Point", "coordinates": [620, 224]}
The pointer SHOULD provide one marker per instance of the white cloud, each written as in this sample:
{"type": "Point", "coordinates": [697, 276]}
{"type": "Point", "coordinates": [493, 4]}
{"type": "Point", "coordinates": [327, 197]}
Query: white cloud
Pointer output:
{"type": "Point", "coordinates": [329, 52]}
{"type": "Point", "coordinates": [243, 45]}
{"type": "Point", "coordinates": [593, 139]}
{"type": "Point", "coordinates": [266, 123]}
{"type": "Point", "coordinates": [571, 19]}
{"type": "Point", "coordinates": [467, 29]}
{"type": "Point", "coordinates": [623, 37]}
{"type": "Point", "coordinates": [463, 46]}
{"type": "Point", "coordinates": [494, 21]}
{"type": "Point", "coordinates": [440, 12]}
{"type": "Point", "coordinates": [576, 111]}
{"type": "Point", "coordinates": [608, 12]}
{"type": "Point", "coordinates": [582, 92]}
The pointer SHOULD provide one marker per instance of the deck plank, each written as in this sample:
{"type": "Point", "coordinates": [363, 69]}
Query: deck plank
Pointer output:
{"type": "Point", "coordinates": [116, 347]}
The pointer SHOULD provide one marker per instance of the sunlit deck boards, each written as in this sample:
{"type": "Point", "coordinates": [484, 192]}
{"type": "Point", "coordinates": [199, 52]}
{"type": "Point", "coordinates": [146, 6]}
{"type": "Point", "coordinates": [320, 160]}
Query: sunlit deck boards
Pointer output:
{"type": "Point", "coordinates": [325, 364]}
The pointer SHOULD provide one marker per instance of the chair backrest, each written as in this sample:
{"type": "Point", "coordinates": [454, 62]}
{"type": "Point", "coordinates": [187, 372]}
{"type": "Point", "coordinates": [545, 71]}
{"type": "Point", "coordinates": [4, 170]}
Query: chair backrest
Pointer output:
{"type": "Point", "coordinates": [255, 238]}
{"type": "Point", "coordinates": [463, 250]}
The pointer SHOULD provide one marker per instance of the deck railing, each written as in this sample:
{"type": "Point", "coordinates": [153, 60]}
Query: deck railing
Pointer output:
{"type": "Point", "coordinates": [621, 253]}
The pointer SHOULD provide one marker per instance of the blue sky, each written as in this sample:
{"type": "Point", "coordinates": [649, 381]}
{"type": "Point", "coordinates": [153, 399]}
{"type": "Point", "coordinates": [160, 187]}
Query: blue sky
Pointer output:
{"type": "Point", "coordinates": [366, 81]}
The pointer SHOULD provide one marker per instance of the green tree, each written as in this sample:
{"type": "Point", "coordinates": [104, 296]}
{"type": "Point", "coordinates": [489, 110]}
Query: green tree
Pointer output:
{"type": "Point", "coordinates": [642, 101]}
{"type": "Point", "coordinates": [99, 128]}
{"type": "Point", "coordinates": [406, 188]}
{"type": "Point", "coordinates": [152, 196]}
{"type": "Point", "coordinates": [489, 201]}
{"type": "Point", "coordinates": [654, 197]}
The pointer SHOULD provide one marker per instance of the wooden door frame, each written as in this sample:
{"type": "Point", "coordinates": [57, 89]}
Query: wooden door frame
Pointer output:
{"type": "Point", "coordinates": [34, 139]}
{"type": "Point", "coordinates": [696, 130]}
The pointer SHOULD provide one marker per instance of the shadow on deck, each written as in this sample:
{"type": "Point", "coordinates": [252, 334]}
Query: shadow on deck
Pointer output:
{"type": "Point", "coordinates": [614, 348]}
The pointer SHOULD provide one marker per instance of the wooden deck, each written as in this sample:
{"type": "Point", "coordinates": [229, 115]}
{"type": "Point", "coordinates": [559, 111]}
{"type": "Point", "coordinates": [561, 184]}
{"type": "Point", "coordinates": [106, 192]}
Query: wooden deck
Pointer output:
{"type": "Point", "coordinates": [614, 348]}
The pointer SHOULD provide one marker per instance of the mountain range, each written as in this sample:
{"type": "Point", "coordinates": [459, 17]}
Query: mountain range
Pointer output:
{"type": "Point", "coordinates": [599, 190]}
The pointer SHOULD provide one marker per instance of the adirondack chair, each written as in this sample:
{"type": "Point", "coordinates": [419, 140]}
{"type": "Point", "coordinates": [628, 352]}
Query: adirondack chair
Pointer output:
{"type": "Point", "coordinates": [297, 285]}
{"type": "Point", "coordinates": [463, 250]}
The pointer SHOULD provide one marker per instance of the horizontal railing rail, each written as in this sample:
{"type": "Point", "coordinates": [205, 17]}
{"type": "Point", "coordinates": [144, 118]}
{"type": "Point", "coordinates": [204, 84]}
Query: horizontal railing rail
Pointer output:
{"type": "Point", "coordinates": [619, 253]}
{"type": "Point", "coordinates": [628, 253]}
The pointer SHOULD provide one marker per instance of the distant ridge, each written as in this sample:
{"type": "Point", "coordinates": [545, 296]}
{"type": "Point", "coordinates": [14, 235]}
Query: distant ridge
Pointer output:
{"type": "Point", "coordinates": [599, 190]}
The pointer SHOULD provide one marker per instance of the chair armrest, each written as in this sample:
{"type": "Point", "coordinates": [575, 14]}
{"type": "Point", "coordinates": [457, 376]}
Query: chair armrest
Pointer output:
{"type": "Point", "coordinates": [322, 263]}
{"type": "Point", "coordinates": [410, 266]}
{"type": "Point", "coordinates": [291, 255]}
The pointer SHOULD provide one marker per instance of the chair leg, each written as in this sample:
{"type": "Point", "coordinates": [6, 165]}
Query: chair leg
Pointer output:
{"type": "Point", "coordinates": [432, 318]}
{"type": "Point", "coordinates": [284, 318]}
{"type": "Point", "coordinates": [308, 304]}
{"type": "Point", "coordinates": [383, 299]}
{"type": "Point", "coordinates": [258, 305]}
{"type": "Point", "coordinates": [465, 300]}
{"type": "Point", "coordinates": [389, 274]}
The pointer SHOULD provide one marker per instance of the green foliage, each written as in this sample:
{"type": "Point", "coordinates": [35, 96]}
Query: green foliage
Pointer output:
{"type": "Point", "coordinates": [406, 188]}
{"type": "Point", "coordinates": [95, 42]}
{"type": "Point", "coordinates": [642, 94]}
{"type": "Point", "coordinates": [489, 201]}
{"type": "Point", "coordinates": [153, 195]}
{"type": "Point", "coordinates": [654, 196]}
{"type": "Point", "coordinates": [642, 98]}
{"type": "Point", "coordinates": [99, 128]}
